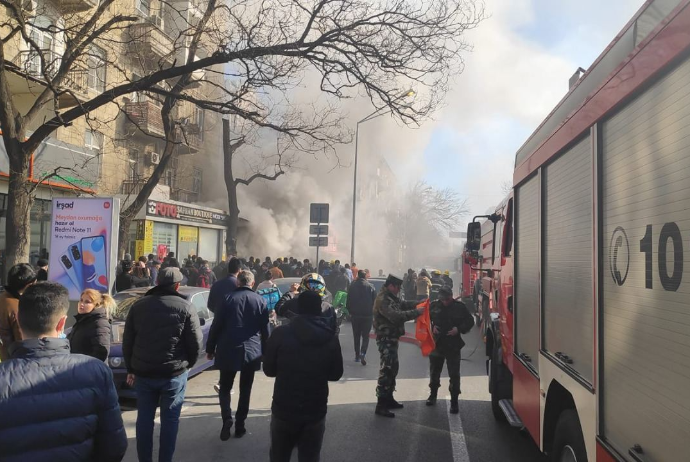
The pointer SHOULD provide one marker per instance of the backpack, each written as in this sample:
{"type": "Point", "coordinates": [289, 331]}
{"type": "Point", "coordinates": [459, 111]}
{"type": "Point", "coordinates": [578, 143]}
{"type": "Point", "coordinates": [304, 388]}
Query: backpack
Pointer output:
{"type": "Point", "coordinates": [271, 295]}
{"type": "Point", "coordinates": [202, 280]}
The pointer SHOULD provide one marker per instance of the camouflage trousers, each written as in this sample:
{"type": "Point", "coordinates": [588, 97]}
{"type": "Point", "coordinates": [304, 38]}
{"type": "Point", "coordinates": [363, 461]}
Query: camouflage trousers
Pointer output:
{"type": "Point", "coordinates": [388, 371]}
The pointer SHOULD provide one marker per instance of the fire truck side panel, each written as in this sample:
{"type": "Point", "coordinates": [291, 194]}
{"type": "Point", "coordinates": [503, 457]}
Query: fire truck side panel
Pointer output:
{"type": "Point", "coordinates": [646, 247]}
{"type": "Point", "coordinates": [527, 301]}
{"type": "Point", "coordinates": [568, 312]}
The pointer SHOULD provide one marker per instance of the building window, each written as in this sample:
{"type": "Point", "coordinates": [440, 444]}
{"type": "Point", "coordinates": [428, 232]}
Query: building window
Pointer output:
{"type": "Point", "coordinates": [45, 41]}
{"type": "Point", "coordinates": [93, 140]}
{"type": "Point", "coordinates": [96, 68]}
{"type": "Point", "coordinates": [200, 118]}
{"type": "Point", "coordinates": [170, 176]}
{"type": "Point", "coordinates": [144, 7]}
{"type": "Point", "coordinates": [196, 181]}
{"type": "Point", "coordinates": [133, 165]}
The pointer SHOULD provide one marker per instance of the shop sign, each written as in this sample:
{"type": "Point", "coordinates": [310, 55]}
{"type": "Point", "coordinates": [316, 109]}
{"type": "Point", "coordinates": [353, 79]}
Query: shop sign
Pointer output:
{"type": "Point", "coordinates": [144, 238]}
{"type": "Point", "coordinates": [184, 213]}
{"type": "Point", "coordinates": [188, 234]}
{"type": "Point", "coordinates": [83, 243]}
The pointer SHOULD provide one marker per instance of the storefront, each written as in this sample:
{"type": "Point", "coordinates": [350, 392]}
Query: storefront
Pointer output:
{"type": "Point", "coordinates": [167, 226]}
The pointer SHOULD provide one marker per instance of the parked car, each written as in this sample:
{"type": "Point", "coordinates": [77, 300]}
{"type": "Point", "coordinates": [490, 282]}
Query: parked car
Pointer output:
{"type": "Point", "coordinates": [198, 296]}
{"type": "Point", "coordinates": [377, 283]}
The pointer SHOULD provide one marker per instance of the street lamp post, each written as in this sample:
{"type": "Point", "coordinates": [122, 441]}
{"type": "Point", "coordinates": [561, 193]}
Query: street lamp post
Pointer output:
{"type": "Point", "coordinates": [371, 116]}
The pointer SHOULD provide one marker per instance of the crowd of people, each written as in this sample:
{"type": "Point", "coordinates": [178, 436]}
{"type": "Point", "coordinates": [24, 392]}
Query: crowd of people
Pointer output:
{"type": "Point", "coordinates": [45, 373]}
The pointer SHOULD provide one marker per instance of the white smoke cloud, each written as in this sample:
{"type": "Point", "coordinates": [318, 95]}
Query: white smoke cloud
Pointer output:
{"type": "Point", "coordinates": [510, 83]}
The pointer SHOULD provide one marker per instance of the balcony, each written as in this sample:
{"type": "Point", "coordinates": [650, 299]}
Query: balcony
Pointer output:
{"type": "Point", "coordinates": [29, 78]}
{"type": "Point", "coordinates": [148, 40]}
{"type": "Point", "coordinates": [75, 6]}
{"type": "Point", "coordinates": [145, 117]}
{"type": "Point", "coordinates": [190, 139]}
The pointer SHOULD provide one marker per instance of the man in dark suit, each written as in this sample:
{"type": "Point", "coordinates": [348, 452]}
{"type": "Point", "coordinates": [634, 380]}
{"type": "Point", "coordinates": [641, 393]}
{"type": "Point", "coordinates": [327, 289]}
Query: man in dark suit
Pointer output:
{"type": "Point", "coordinates": [236, 341]}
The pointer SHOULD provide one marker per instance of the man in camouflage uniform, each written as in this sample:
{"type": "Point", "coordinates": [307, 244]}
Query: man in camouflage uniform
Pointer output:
{"type": "Point", "coordinates": [449, 319]}
{"type": "Point", "coordinates": [390, 315]}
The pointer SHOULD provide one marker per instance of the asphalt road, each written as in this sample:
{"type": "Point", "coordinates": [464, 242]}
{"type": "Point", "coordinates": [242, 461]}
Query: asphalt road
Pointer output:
{"type": "Point", "coordinates": [353, 432]}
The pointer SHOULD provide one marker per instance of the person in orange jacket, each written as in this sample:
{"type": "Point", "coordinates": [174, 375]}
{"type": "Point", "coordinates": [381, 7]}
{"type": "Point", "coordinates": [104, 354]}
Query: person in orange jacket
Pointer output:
{"type": "Point", "coordinates": [449, 319]}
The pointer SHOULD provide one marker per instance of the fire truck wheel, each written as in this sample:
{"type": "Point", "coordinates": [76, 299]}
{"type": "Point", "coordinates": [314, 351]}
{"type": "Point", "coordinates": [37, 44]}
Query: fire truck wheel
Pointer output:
{"type": "Point", "coordinates": [495, 388]}
{"type": "Point", "coordinates": [568, 443]}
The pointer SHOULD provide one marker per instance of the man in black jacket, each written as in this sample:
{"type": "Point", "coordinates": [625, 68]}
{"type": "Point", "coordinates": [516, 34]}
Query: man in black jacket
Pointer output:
{"type": "Point", "coordinates": [162, 340]}
{"type": "Point", "coordinates": [303, 357]}
{"type": "Point", "coordinates": [236, 339]}
{"type": "Point", "coordinates": [55, 405]}
{"type": "Point", "coordinates": [449, 319]}
{"type": "Point", "coordinates": [360, 305]}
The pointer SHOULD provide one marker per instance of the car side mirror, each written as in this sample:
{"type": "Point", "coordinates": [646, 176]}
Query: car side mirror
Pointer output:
{"type": "Point", "coordinates": [474, 236]}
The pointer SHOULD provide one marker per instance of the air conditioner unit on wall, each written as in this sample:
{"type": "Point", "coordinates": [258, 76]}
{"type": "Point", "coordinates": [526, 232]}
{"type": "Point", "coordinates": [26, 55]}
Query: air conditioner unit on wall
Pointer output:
{"type": "Point", "coordinates": [153, 157]}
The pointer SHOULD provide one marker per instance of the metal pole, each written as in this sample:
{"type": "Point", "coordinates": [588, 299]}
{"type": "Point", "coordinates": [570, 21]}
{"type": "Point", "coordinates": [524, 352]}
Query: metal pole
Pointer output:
{"type": "Point", "coordinates": [354, 198]}
{"type": "Point", "coordinates": [318, 241]}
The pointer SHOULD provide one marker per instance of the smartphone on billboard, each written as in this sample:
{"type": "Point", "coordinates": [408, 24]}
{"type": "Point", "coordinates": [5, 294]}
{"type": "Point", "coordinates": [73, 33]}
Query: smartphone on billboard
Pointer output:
{"type": "Point", "coordinates": [67, 264]}
{"type": "Point", "coordinates": [94, 258]}
{"type": "Point", "coordinates": [74, 253]}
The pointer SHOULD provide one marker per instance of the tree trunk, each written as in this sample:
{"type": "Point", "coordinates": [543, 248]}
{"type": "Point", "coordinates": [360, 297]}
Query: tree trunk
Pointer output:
{"type": "Point", "coordinates": [19, 201]}
{"type": "Point", "coordinates": [123, 236]}
{"type": "Point", "coordinates": [231, 188]}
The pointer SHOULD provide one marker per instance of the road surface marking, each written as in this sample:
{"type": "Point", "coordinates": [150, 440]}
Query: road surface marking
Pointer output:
{"type": "Point", "coordinates": [457, 436]}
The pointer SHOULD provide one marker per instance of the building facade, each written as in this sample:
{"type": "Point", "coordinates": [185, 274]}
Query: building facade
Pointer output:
{"type": "Point", "coordinates": [113, 151]}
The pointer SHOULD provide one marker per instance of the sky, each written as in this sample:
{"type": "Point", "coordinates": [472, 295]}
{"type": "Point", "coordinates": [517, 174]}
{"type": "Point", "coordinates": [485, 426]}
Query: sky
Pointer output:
{"type": "Point", "coordinates": [522, 58]}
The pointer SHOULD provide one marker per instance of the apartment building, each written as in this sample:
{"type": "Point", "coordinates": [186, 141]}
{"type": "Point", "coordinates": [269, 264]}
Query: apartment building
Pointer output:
{"type": "Point", "coordinates": [114, 150]}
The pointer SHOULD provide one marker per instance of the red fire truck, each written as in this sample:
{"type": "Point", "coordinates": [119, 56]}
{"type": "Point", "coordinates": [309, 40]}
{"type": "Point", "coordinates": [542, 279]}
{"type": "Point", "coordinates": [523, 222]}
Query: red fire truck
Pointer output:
{"type": "Point", "coordinates": [467, 264]}
{"type": "Point", "coordinates": [589, 340]}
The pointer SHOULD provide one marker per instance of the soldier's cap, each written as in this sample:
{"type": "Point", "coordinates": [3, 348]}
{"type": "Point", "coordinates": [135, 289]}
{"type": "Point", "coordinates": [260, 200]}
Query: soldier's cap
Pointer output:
{"type": "Point", "coordinates": [169, 276]}
{"type": "Point", "coordinates": [445, 291]}
{"type": "Point", "coordinates": [393, 279]}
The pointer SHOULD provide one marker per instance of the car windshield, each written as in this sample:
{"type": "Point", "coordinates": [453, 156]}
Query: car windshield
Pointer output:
{"type": "Point", "coordinates": [124, 303]}
{"type": "Point", "coordinates": [285, 283]}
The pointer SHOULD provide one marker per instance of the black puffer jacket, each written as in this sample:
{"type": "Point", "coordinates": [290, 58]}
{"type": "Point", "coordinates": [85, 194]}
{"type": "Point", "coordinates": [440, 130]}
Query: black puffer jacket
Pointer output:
{"type": "Point", "coordinates": [57, 406]}
{"type": "Point", "coordinates": [162, 335]}
{"type": "Point", "coordinates": [90, 335]}
{"type": "Point", "coordinates": [303, 357]}
{"type": "Point", "coordinates": [360, 298]}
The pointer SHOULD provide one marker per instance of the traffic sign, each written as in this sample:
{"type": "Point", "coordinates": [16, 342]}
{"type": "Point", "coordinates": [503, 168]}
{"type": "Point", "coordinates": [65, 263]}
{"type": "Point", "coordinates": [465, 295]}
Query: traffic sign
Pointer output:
{"type": "Point", "coordinates": [319, 230]}
{"type": "Point", "coordinates": [318, 213]}
{"type": "Point", "coordinates": [318, 241]}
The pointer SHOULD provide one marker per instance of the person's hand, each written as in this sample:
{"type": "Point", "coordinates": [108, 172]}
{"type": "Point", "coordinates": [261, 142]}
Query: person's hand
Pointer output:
{"type": "Point", "coordinates": [421, 310]}
{"type": "Point", "coordinates": [453, 331]}
{"type": "Point", "coordinates": [210, 356]}
{"type": "Point", "coordinates": [435, 330]}
{"type": "Point", "coordinates": [130, 379]}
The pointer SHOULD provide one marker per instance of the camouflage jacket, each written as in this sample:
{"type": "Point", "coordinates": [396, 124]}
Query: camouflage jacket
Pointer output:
{"type": "Point", "coordinates": [445, 319]}
{"type": "Point", "coordinates": [390, 314]}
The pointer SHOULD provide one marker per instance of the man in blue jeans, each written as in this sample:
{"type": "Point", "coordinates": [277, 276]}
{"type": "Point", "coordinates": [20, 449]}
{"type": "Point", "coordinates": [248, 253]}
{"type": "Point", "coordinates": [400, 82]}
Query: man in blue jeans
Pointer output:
{"type": "Point", "coordinates": [158, 357]}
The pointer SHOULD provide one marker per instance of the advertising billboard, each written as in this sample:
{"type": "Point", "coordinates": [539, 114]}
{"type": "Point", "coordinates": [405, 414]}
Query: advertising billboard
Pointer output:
{"type": "Point", "coordinates": [83, 244]}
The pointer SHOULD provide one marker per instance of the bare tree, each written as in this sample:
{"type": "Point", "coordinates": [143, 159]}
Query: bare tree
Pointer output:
{"type": "Point", "coordinates": [376, 48]}
{"type": "Point", "coordinates": [426, 215]}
